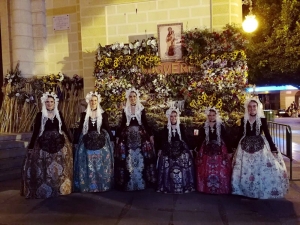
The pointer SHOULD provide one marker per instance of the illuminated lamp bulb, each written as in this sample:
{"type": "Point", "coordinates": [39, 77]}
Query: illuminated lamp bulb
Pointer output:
{"type": "Point", "coordinates": [250, 24]}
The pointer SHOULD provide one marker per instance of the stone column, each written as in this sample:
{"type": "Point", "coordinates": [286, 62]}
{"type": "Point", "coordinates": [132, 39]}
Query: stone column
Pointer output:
{"type": "Point", "coordinates": [39, 36]}
{"type": "Point", "coordinates": [21, 34]}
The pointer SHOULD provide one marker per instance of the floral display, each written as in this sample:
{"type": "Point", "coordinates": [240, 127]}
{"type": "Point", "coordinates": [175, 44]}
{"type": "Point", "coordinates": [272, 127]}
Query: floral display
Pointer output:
{"type": "Point", "coordinates": [219, 81]}
{"type": "Point", "coordinates": [52, 80]}
{"type": "Point", "coordinates": [121, 59]}
{"type": "Point", "coordinates": [21, 102]}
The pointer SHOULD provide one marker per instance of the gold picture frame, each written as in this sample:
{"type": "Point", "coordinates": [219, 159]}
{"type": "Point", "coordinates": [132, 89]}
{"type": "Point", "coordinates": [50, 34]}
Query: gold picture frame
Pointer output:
{"type": "Point", "coordinates": [169, 41]}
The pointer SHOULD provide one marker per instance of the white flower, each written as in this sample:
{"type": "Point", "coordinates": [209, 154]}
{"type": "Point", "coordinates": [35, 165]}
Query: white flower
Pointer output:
{"type": "Point", "coordinates": [10, 80]}
{"type": "Point", "coordinates": [153, 42]}
{"type": "Point", "coordinates": [121, 45]}
{"type": "Point", "coordinates": [17, 94]}
{"type": "Point", "coordinates": [137, 44]}
{"type": "Point", "coordinates": [27, 100]}
{"type": "Point", "coordinates": [61, 76]}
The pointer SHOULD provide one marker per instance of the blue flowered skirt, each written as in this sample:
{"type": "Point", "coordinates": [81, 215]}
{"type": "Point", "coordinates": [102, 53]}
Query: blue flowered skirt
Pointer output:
{"type": "Point", "coordinates": [93, 169]}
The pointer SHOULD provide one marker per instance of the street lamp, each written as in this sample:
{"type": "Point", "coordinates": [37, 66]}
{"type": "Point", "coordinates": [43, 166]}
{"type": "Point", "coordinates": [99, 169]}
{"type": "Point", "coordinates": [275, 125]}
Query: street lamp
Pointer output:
{"type": "Point", "coordinates": [250, 23]}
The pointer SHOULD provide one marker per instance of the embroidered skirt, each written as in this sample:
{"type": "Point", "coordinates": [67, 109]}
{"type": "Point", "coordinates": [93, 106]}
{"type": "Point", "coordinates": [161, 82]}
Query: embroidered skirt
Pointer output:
{"type": "Point", "coordinates": [134, 160]}
{"type": "Point", "coordinates": [93, 169]}
{"type": "Point", "coordinates": [48, 173]}
{"type": "Point", "coordinates": [257, 173]}
{"type": "Point", "coordinates": [213, 166]}
{"type": "Point", "coordinates": [176, 169]}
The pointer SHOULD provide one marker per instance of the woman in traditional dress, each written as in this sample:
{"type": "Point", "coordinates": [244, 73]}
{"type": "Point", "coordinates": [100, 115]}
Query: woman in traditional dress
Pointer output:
{"type": "Point", "coordinates": [175, 162]}
{"type": "Point", "coordinates": [134, 154]}
{"type": "Point", "coordinates": [48, 166]}
{"type": "Point", "coordinates": [93, 168]}
{"type": "Point", "coordinates": [213, 160]}
{"type": "Point", "coordinates": [258, 168]}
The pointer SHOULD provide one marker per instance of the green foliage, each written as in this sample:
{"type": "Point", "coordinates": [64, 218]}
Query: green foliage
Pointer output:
{"type": "Point", "coordinates": [274, 48]}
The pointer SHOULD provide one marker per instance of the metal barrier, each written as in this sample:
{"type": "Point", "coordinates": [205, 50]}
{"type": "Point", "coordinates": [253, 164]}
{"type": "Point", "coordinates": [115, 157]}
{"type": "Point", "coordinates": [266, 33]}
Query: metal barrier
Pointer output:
{"type": "Point", "coordinates": [282, 137]}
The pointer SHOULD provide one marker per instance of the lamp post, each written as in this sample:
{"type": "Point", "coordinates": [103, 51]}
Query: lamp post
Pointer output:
{"type": "Point", "coordinates": [250, 23]}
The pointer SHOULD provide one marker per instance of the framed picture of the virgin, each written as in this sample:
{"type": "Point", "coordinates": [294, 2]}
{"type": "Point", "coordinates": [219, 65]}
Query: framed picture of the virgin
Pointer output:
{"type": "Point", "coordinates": [169, 38]}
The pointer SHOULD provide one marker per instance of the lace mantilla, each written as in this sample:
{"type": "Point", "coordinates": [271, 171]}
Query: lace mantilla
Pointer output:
{"type": "Point", "coordinates": [169, 125]}
{"type": "Point", "coordinates": [259, 114]}
{"type": "Point", "coordinates": [99, 111]}
{"type": "Point", "coordinates": [138, 107]}
{"type": "Point", "coordinates": [45, 116]}
{"type": "Point", "coordinates": [218, 125]}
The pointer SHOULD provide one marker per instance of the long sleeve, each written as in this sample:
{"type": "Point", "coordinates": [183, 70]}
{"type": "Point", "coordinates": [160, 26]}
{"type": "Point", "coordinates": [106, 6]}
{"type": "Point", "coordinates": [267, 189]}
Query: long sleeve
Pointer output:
{"type": "Point", "coordinates": [183, 134]}
{"type": "Point", "coordinates": [122, 126]}
{"type": "Point", "coordinates": [36, 130]}
{"type": "Point", "coordinates": [225, 138]}
{"type": "Point", "coordinates": [63, 126]}
{"type": "Point", "coordinates": [80, 127]}
{"type": "Point", "coordinates": [267, 134]}
{"type": "Point", "coordinates": [105, 125]}
{"type": "Point", "coordinates": [163, 136]}
{"type": "Point", "coordinates": [201, 138]}
{"type": "Point", "coordinates": [240, 133]}
{"type": "Point", "coordinates": [145, 123]}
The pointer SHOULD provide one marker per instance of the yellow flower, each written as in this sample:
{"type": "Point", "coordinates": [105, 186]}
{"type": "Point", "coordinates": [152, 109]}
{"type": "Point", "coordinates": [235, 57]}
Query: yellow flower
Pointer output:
{"type": "Point", "coordinates": [200, 102]}
{"type": "Point", "coordinates": [193, 104]}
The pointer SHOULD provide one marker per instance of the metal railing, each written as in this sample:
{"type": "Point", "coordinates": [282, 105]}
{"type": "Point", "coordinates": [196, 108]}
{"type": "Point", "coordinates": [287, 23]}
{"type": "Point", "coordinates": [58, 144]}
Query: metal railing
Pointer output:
{"type": "Point", "coordinates": [282, 137]}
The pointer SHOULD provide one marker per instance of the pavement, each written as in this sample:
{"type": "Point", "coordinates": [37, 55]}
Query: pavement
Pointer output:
{"type": "Point", "coordinates": [148, 207]}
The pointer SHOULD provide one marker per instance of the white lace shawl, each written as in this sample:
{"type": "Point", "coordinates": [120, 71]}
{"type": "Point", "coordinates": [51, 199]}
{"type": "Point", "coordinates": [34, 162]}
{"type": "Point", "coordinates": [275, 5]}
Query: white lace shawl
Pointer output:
{"type": "Point", "coordinates": [259, 114]}
{"type": "Point", "coordinates": [218, 125]}
{"type": "Point", "coordinates": [88, 114]}
{"type": "Point", "coordinates": [45, 112]}
{"type": "Point", "coordinates": [138, 108]}
{"type": "Point", "coordinates": [169, 125]}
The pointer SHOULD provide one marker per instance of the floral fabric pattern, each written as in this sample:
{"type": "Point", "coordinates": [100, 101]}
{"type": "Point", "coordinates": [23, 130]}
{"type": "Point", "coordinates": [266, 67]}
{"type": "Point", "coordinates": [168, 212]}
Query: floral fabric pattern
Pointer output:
{"type": "Point", "coordinates": [93, 170]}
{"type": "Point", "coordinates": [213, 166]}
{"type": "Point", "coordinates": [259, 174]}
{"type": "Point", "coordinates": [176, 169]}
{"type": "Point", "coordinates": [135, 160]}
{"type": "Point", "coordinates": [47, 174]}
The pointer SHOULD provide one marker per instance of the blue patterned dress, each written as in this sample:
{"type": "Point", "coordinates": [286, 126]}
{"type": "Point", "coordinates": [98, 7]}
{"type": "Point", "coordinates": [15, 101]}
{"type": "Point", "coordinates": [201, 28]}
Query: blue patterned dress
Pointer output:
{"type": "Point", "coordinates": [134, 156]}
{"type": "Point", "coordinates": [93, 169]}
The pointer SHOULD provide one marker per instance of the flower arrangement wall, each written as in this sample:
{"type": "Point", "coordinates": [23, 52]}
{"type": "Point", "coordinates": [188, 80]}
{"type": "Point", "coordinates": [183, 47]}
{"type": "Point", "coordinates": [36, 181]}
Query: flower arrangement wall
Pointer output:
{"type": "Point", "coordinates": [220, 78]}
{"type": "Point", "coordinates": [22, 99]}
